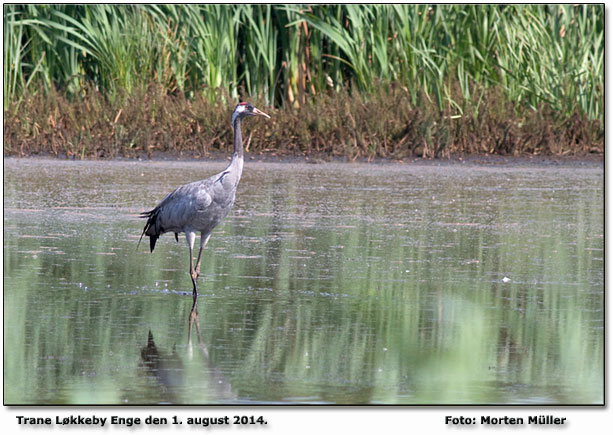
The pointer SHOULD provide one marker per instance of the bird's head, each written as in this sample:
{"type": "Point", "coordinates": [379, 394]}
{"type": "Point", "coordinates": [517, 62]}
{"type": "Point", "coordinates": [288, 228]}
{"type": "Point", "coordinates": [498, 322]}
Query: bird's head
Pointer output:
{"type": "Point", "coordinates": [246, 109]}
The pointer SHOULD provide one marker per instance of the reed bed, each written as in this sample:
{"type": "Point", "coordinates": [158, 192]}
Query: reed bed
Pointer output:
{"type": "Point", "coordinates": [352, 80]}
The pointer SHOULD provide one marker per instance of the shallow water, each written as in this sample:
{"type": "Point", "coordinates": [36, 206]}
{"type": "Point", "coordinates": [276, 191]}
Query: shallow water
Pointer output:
{"type": "Point", "coordinates": [453, 284]}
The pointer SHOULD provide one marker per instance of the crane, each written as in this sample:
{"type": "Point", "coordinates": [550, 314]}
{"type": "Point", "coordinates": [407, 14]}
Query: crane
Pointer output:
{"type": "Point", "coordinates": [201, 205]}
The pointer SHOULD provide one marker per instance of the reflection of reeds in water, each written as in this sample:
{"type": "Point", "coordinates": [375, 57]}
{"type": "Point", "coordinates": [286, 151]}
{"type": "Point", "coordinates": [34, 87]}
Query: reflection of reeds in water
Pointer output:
{"type": "Point", "coordinates": [407, 306]}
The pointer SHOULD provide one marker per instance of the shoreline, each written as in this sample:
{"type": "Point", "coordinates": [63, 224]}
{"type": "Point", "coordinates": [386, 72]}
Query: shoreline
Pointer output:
{"type": "Point", "coordinates": [587, 160]}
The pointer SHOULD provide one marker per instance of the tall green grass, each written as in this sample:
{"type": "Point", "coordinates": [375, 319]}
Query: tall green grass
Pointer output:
{"type": "Point", "coordinates": [447, 55]}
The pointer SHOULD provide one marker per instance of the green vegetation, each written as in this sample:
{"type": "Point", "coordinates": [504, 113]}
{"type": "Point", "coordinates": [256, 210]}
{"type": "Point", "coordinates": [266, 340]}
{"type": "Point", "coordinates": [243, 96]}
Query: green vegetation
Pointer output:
{"type": "Point", "coordinates": [353, 80]}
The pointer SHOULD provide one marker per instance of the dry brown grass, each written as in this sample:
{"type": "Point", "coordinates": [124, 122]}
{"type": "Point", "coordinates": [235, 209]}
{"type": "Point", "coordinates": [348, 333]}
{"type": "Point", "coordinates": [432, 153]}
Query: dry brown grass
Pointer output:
{"type": "Point", "coordinates": [384, 124]}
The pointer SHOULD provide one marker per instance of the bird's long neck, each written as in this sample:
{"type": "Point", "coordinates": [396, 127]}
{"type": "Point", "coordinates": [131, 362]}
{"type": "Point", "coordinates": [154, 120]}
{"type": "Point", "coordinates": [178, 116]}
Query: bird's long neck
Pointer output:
{"type": "Point", "coordinates": [236, 165]}
{"type": "Point", "coordinates": [238, 139]}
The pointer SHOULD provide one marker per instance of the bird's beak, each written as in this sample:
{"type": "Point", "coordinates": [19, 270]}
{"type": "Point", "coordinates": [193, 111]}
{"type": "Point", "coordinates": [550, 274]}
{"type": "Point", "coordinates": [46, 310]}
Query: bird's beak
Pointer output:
{"type": "Point", "coordinates": [259, 112]}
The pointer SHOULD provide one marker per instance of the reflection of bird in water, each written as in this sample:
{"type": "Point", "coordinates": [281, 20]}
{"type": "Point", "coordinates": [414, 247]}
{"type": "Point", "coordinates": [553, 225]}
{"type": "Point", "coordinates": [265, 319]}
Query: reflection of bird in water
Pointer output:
{"type": "Point", "coordinates": [219, 384]}
{"type": "Point", "coordinates": [170, 371]}
{"type": "Point", "coordinates": [167, 369]}
{"type": "Point", "coordinates": [200, 206]}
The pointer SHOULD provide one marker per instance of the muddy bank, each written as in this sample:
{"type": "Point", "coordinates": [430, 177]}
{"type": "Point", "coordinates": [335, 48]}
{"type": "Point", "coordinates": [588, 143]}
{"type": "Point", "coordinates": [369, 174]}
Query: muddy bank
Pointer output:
{"type": "Point", "coordinates": [589, 160]}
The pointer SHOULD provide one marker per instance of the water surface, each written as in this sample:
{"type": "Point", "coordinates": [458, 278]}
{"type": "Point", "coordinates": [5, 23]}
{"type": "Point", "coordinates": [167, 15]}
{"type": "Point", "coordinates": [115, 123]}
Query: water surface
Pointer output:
{"type": "Point", "coordinates": [329, 283]}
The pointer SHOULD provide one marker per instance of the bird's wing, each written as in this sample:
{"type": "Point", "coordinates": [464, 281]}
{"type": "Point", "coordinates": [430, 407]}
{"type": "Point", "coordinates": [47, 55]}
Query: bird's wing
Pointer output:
{"type": "Point", "coordinates": [202, 194]}
{"type": "Point", "coordinates": [177, 209]}
{"type": "Point", "coordinates": [198, 204]}
{"type": "Point", "coordinates": [188, 199]}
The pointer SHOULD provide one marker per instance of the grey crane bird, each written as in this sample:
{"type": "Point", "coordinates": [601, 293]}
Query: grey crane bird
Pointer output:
{"type": "Point", "coordinates": [200, 206]}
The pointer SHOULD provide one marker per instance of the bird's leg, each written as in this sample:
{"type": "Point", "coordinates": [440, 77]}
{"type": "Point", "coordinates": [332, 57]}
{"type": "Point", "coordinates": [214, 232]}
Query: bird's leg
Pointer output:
{"type": "Point", "coordinates": [203, 241]}
{"type": "Point", "coordinates": [195, 273]}
{"type": "Point", "coordinates": [191, 237]}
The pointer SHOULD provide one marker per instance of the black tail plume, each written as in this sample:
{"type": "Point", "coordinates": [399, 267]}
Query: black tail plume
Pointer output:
{"type": "Point", "coordinates": [151, 218]}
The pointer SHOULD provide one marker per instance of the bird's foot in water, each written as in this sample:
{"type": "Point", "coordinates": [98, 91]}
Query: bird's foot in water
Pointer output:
{"type": "Point", "coordinates": [195, 274]}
